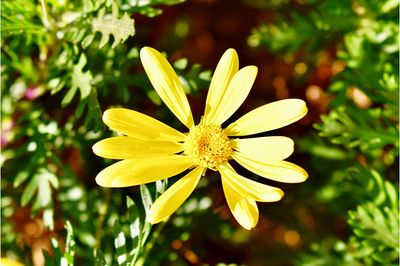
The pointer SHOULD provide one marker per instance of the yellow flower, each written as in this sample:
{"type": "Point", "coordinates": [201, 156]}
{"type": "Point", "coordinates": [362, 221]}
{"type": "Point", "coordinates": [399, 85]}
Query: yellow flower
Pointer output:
{"type": "Point", "coordinates": [9, 262]}
{"type": "Point", "coordinates": [152, 151]}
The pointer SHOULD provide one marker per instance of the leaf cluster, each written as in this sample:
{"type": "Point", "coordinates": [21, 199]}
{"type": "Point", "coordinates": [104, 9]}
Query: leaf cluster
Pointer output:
{"type": "Point", "coordinates": [361, 123]}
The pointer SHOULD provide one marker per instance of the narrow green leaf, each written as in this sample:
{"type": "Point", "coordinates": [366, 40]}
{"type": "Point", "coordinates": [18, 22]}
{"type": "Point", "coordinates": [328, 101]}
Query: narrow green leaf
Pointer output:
{"type": "Point", "coordinates": [29, 191]}
{"type": "Point", "coordinates": [146, 198]}
{"type": "Point", "coordinates": [119, 243]}
{"type": "Point", "coordinates": [69, 96]}
{"type": "Point", "coordinates": [21, 177]}
{"type": "Point", "coordinates": [147, 202]}
{"type": "Point", "coordinates": [134, 229]}
{"type": "Point", "coordinates": [134, 220]}
{"type": "Point", "coordinates": [70, 245]}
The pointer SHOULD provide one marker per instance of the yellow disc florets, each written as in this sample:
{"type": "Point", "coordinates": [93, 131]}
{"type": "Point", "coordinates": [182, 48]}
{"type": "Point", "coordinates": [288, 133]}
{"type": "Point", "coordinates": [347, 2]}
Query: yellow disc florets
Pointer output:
{"type": "Point", "coordinates": [208, 146]}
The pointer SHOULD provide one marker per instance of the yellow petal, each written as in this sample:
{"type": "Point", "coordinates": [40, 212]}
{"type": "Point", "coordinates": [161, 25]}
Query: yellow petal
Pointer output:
{"type": "Point", "coordinates": [265, 149]}
{"type": "Point", "coordinates": [244, 210]}
{"type": "Point", "coordinates": [126, 148]}
{"type": "Point", "coordinates": [171, 199]}
{"type": "Point", "coordinates": [9, 262]}
{"type": "Point", "coordinates": [132, 172]}
{"type": "Point", "coordinates": [268, 117]}
{"type": "Point", "coordinates": [227, 66]}
{"type": "Point", "coordinates": [249, 188]}
{"type": "Point", "coordinates": [234, 95]}
{"type": "Point", "coordinates": [167, 84]}
{"type": "Point", "coordinates": [140, 126]}
{"type": "Point", "coordinates": [281, 171]}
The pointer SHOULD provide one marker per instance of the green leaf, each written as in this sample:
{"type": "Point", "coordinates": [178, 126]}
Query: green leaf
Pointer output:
{"type": "Point", "coordinates": [134, 229]}
{"type": "Point", "coordinates": [70, 245]}
{"type": "Point", "coordinates": [146, 198]}
{"type": "Point", "coordinates": [181, 63]}
{"type": "Point", "coordinates": [22, 176]}
{"type": "Point", "coordinates": [79, 80]}
{"type": "Point", "coordinates": [93, 116]}
{"type": "Point", "coordinates": [134, 221]}
{"type": "Point", "coordinates": [110, 24]}
{"type": "Point", "coordinates": [29, 191]}
{"type": "Point", "coordinates": [376, 229]}
{"type": "Point", "coordinates": [147, 202]}
{"type": "Point", "coordinates": [161, 186]}
{"type": "Point", "coordinates": [120, 243]}
{"type": "Point", "coordinates": [41, 183]}
{"type": "Point", "coordinates": [82, 79]}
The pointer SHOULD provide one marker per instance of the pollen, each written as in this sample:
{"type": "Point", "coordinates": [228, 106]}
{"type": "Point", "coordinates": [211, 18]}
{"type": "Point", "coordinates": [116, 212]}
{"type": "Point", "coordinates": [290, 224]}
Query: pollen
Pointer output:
{"type": "Point", "coordinates": [208, 146]}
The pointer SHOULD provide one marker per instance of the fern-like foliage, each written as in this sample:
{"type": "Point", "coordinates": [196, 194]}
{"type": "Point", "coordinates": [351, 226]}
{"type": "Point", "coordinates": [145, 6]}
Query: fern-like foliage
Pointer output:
{"type": "Point", "coordinates": [361, 121]}
{"type": "Point", "coordinates": [110, 24]}
{"type": "Point", "coordinates": [370, 130]}
{"type": "Point", "coordinates": [374, 223]}
{"type": "Point", "coordinates": [322, 23]}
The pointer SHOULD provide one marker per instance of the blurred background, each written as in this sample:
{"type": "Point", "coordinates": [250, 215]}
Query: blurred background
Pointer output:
{"type": "Point", "coordinates": [64, 63]}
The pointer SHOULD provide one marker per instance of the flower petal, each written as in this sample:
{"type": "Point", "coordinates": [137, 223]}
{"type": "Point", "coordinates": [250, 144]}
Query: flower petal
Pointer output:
{"type": "Point", "coordinates": [244, 210]}
{"type": "Point", "coordinates": [140, 126]}
{"type": "Point", "coordinates": [132, 172]}
{"type": "Point", "coordinates": [280, 171]}
{"type": "Point", "coordinates": [227, 66]}
{"type": "Point", "coordinates": [167, 84]}
{"type": "Point", "coordinates": [266, 149]}
{"type": "Point", "coordinates": [126, 148]}
{"type": "Point", "coordinates": [171, 199]}
{"type": "Point", "coordinates": [249, 188]}
{"type": "Point", "coordinates": [235, 94]}
{"type": "Point", "coordinates": [268, 117]}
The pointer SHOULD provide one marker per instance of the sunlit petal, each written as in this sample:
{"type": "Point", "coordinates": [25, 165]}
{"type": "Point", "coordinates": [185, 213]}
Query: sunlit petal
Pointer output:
{"type": "Point", "coordinates": [126, 148]}
{"type": "Point", "coordinates": [171, 199]}
{"type": "Point", "coordinates": [227, 66]}
{"type": "Point", "coordinates": [9, 262]}
{"type": "Point", "coordinates": [244, 210]}
{"type": "Point", "coordinates": [265, 149]}
{"type": "Point", "coordinates": [249, 188]}
{"type": "Point", "coordinates": [132, 172]}
{"type": "Point", "coordinates": [268, 117]}
{"type": "Point", "coordinates": [234, 95]}
{"type": "Point", "coordinates": [281, 171]}
{"type": "Point", "coordinates": [167, 84]}
{"type": "Point", "coordinates": [140, 126]}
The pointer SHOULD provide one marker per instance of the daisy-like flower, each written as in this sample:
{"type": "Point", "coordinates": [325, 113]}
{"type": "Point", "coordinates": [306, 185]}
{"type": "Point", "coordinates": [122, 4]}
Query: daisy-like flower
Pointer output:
{"type": "Point", "coordinates": [151, 150]}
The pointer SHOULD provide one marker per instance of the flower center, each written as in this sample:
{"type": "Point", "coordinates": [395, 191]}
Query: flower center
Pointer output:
{"type": "Point", "coordinates": [208, 146]}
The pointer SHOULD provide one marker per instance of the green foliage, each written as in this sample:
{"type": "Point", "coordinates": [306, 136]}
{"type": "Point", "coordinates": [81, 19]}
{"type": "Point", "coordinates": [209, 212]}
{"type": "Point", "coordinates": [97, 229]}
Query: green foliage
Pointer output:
{"type": "Point", "coordinates": [361, 123]}
{"type": "Point", "coordinates": [374, 223]}
{"type": "Point", "coordinates": [110, 24]}
{"type": "Point", "coordinates": [129, 250]}
{"type": "Point", "coordinates": [323, 22]}
{"type": "Point", "coordinates": [370, 130]}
